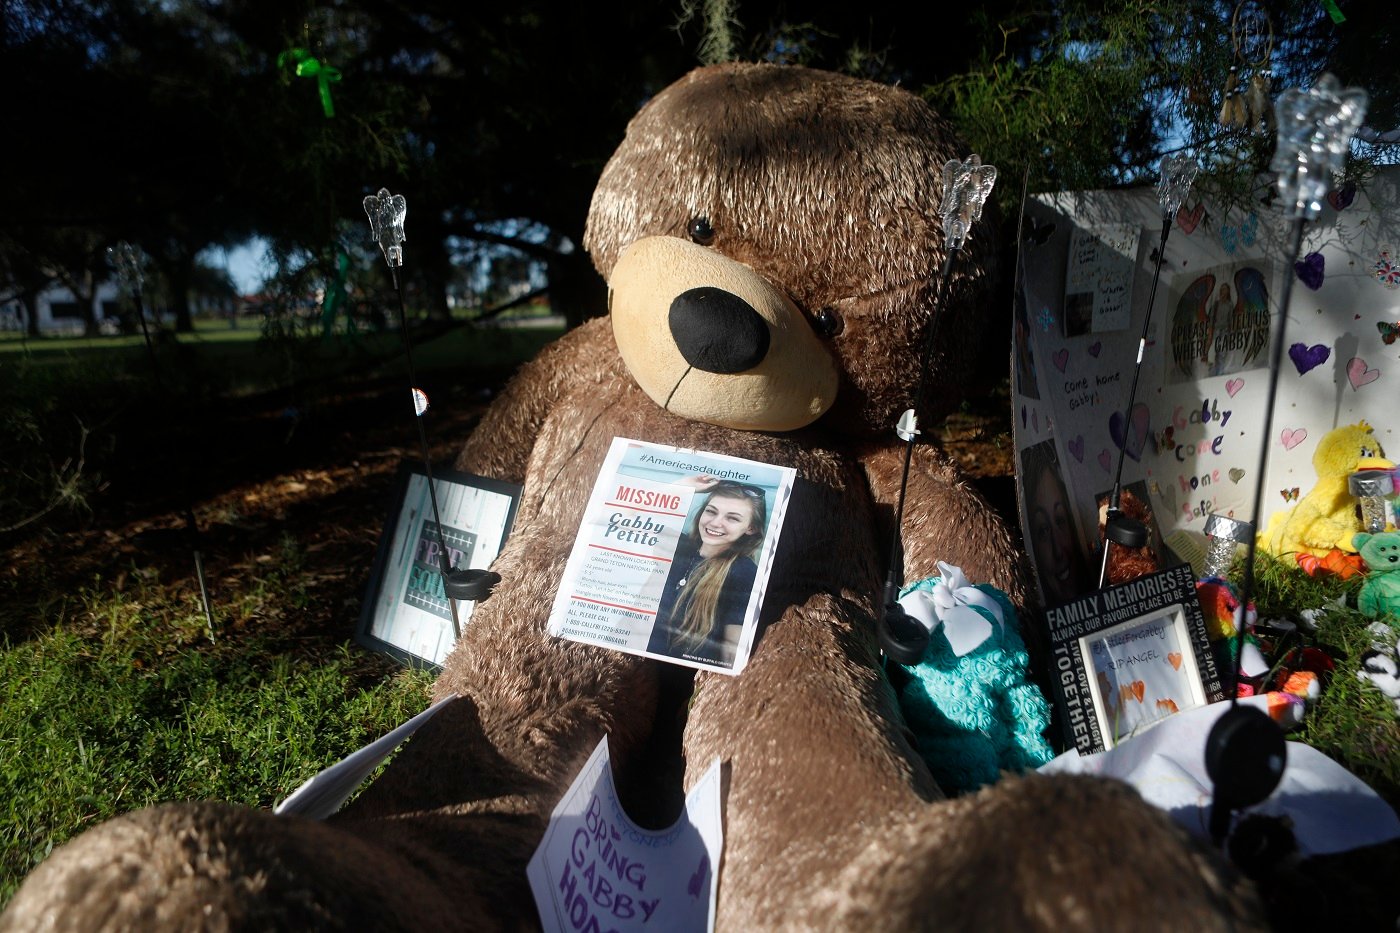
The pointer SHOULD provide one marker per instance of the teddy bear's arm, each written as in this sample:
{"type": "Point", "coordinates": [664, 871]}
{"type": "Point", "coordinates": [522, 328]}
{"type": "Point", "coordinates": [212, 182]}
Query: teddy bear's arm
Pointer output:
{"type": "Point", "coordinates": [944, 519]}
{"type": "Point", "coordinates": [500, 445]}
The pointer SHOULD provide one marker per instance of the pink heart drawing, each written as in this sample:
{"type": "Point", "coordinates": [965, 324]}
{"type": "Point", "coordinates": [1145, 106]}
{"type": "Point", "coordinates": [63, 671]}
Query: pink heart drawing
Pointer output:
{"type": "Point", "coordinates": [1187, 220]}
{"type": "Point", "coordinates": [1130, 441]}
{"type": "Point", "coordinates": [1308, 357]}
{"type": "Point", "coordinates": [1232, 386]}
{"type": "Point", "coordinates": [1359, 374]}
{"type": "Point", "coordinates": [1061, 358]}
{"type": "Point", "coordinates": [1292, 437]}
{"type": "Point", "coordinates": [1105, 460]}
{"type": "Point", "coordinates": [1076, 447]}
{"type": "Point", "coordinates": [1095, 347]}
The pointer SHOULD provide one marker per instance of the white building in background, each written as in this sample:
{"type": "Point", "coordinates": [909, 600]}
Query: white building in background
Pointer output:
{"type": "Point", "coordinates": [60, 311]}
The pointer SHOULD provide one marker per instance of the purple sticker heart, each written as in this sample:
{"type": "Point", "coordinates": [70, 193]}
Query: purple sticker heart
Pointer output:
{"type": "Point", "coordinates": [1130, 442]}
{"type": "Point", "coordinates": [1095, 347]}
{"type": "Point", "coordinates": [1306, 358]}
{"type": "Point", "coordinates": [1076, 447]}
{"type": "Point", "coordinates": [1309, 270]}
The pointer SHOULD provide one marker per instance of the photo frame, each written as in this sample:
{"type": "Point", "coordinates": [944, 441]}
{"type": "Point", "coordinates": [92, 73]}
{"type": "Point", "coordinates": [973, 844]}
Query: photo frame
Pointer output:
{"type": "Point", "coordinates": [405, 613]}
{"type": "Point", "coordinates": [1128, 656]}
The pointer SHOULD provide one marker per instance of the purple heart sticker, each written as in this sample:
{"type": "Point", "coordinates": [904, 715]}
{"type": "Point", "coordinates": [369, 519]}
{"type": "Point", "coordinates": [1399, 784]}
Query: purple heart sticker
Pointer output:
{"type": "Point", "coordinates": [1306, 358]}
{"type": "Point", "coordinates": [1130, 442]}
{"type": "Point", "coordinates": [1076, 447]}
{"type": "Point", "coordinates": [1309, 270]}
{"type": "Point", "coordinates": [1095, 347]}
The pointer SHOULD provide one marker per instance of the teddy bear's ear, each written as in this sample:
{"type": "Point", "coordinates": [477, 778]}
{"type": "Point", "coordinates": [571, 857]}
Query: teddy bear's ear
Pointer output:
{"type": "Point", "coordinates": [1359, 541]}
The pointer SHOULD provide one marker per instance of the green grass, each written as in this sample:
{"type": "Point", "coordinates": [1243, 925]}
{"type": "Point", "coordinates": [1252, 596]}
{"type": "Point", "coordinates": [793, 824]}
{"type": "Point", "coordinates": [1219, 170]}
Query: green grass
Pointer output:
{"type": "Point", "coordinates": [1353, 722]}
{"type": "Point", "coordinates": [135, 713]}
{"type": "Point", "coordinates": [121, 700]}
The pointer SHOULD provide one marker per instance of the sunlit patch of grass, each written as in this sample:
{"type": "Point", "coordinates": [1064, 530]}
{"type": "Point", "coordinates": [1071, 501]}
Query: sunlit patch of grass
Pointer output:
{"type": "Point", "coordinates": [147, 711]}
{"type": "Point", "coordinates": [1353, 722]}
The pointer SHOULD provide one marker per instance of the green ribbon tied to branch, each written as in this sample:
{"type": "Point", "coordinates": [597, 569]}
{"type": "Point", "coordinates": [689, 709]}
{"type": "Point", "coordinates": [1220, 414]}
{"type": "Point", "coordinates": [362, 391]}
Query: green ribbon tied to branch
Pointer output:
{"type": "Point", "coordinates": [308, 66]}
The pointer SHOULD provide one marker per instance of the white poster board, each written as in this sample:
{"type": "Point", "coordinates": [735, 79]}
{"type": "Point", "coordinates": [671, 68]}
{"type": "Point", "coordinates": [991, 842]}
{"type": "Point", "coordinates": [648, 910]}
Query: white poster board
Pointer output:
{"type": "Point", "coordinates": [597, 870]}
{"type": "Point", "coordinates": [1193, 439]}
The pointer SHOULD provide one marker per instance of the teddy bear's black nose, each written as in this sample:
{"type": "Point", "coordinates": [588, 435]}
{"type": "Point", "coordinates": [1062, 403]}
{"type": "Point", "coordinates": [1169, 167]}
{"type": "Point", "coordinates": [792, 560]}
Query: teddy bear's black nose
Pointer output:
{"type": "Point", "coordinates": [717, 331]}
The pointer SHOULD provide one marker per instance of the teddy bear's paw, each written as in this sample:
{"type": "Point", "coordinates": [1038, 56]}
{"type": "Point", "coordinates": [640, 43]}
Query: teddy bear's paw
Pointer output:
{"type": "Point", "coordinates": [218, 866]}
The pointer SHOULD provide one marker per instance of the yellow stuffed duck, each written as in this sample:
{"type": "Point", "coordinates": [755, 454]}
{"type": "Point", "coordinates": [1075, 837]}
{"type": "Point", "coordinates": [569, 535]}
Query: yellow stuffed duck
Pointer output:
{"type": "Point", "coordinates": [1325, 519]}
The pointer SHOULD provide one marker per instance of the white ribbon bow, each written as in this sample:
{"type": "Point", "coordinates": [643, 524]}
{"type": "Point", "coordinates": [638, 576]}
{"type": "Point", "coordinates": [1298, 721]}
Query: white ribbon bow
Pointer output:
{"type": "Point", "coordinates": [953, 603]}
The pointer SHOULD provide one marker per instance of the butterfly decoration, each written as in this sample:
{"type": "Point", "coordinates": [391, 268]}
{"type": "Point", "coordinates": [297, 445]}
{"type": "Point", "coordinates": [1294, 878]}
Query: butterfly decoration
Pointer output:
{"type": "Point", "coordinates": [1388, 331]}
{"type": "Point", "coordinates": [1386, 270]}
{"type": "Point", "coordinates": [1290, 494]}
{"type": "Point", "coordinates": [1165, 440]}
{"type": "Point", "coordinates": [1231, 237]}
{"type": "Point", "coordinates": [1045, 319]}
{"type": "Point", "coordinates": [1036, 233]}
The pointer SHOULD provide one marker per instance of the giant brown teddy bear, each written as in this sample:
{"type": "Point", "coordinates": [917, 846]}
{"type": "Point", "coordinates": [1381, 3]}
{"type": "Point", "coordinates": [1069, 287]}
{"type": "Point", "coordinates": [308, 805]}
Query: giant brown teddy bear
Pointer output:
{"type": "Point", "coordinates": [813, 198]}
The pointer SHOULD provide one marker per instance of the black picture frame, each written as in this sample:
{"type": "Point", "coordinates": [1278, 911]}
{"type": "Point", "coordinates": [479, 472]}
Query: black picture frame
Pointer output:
{"type": "Point", "coordinates": [403, 614]}
{"type": "Point", "coordinates": [1127, 656]}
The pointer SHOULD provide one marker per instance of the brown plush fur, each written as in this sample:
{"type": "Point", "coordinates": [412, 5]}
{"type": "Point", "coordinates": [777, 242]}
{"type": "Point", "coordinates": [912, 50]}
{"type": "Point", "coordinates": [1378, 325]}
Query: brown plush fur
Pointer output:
{"type": "Point", "coordinates": [829, 187]}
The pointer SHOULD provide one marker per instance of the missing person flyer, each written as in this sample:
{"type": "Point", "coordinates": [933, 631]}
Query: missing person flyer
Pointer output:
{"type": "Point", "coordinates": [673, 555]}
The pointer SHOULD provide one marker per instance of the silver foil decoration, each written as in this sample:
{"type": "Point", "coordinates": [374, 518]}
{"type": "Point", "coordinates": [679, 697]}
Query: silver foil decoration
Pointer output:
{"type": "Point", "coordinates": [966, 186]}
{"type": "Point", "coordinates": [1315, 129]}
{"type": "Point", "coordinates": [386, 215]}
{"type": "Point", "coordinates": [1178, 175]}
{"type": "Point", "coordinates": [127, 260]}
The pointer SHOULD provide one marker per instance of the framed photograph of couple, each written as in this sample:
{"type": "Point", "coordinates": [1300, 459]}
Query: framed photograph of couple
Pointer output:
{"type": "Point", "coordinates": [406, 612]}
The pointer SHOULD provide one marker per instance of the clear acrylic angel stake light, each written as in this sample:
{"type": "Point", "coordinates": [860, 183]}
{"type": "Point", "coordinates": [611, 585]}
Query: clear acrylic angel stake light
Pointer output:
{"type": "Point", "coordinates": [126, 259]}
{"type": "Point", "coordinates": [1315, 129]}
{"type": "Point", "coordinates": [386, 215]}
{"type": "Point", "coordinates": [966, 186]}
{"type": "Point", "coordinates": [1178, 175]}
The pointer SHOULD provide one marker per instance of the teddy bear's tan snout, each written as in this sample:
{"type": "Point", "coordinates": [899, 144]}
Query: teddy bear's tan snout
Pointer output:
{"type": "Point", "coordinates": [709, 339]}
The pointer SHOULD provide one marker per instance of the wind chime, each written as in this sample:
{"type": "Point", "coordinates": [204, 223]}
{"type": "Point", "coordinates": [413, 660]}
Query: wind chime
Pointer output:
{"type": "Point", "coordinates": [1247, 104]}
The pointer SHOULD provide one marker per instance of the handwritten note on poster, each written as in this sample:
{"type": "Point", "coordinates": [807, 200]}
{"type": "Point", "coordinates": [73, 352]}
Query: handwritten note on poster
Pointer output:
{"type": "Point", "coordinates": [1099, 279]}
{"type": "Point", "coordinates": [597, 870]}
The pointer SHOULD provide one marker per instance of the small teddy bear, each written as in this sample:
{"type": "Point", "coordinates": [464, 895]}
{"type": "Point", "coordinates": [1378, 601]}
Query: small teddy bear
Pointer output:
{"type": "Point", "coordinates": [1380, 594]}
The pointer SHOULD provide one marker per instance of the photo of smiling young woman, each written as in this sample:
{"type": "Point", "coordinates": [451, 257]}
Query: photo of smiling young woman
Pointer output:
{"type": "Point", "coordinates": [1051, 535]}
{"type": "Point", "coordinates": [711, 579]}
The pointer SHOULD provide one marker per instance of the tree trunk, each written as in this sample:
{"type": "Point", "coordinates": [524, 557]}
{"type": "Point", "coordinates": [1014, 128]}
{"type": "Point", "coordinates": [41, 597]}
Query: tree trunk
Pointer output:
{"type": "Point", "coordinates": [576, 291]}
{"type": "Point", "coordinates": [29, 301]}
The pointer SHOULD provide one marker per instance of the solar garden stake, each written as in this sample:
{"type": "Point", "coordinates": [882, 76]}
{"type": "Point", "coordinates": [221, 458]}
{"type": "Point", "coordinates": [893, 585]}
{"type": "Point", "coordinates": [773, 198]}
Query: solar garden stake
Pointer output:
{"type": "Point", "coordinates": [386, 217]}
{"type": "Point", "coordinates": [127, 260]}
{"type": "Point", "coordinates": [966, 186]}
{"type": "Point", "coordinates": [1178, 173]}
{"type": "Point", "coordinates": [1245, 751]}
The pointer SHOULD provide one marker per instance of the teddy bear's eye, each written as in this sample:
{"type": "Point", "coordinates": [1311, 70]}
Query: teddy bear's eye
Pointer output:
{"type": "Point", "coordinates": [828, 322]}
{"type": "Point", "coordinates": [700, 231]}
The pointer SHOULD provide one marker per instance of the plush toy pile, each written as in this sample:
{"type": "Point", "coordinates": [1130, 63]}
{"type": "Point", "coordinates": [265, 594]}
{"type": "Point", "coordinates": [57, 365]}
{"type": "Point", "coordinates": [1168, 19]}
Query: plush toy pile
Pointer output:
{"type": "Point", "coordinates": [813, 198]}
